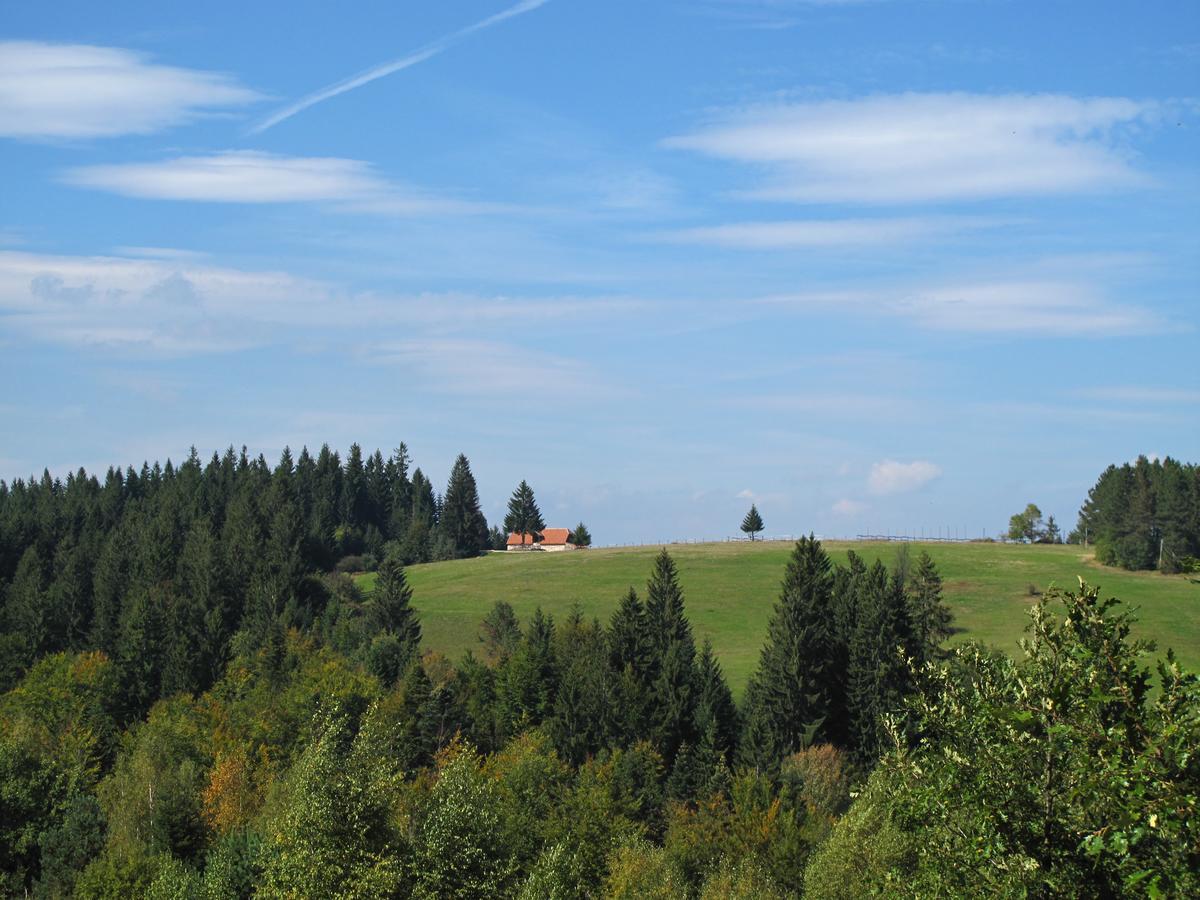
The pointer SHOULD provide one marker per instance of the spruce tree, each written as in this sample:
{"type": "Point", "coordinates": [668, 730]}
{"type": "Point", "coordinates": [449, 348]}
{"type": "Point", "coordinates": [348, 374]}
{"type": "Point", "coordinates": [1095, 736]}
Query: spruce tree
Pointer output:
{"type": "Point", "coordinates": [664, 606]}
{"type": "Point", "coordinates": [585, 719]}
{"type": "Point", "coordinates": [1053, 534]}
{"type": "Point", "coordinates": [462, 522]}
{"type": "Point", "coordinates": [672, 658]}
{"type": "Point", "coordinates": [417, 740]}
{"type": "Point", "coordinates": [627, 635]}
{"type": "Point", "coordinates": [500, 631]}
{"type": "Point", "coordinates": [399, 493]}
{"type": "Point", "coordinates": [391, 609]}
{"type": "Point", "coordinates": [930, 617]}
{"type": "Point", "coordinates": [523, 515]}
{"type": "Point", "coordinates": [109, 582]}
{"type": "Point", "coordinates": [201, 580]}
{"type": "Point", "coordinates": [789, 695]}
{"type": "Point", "coordinates": [25, 608]}
{"type": "Point", "coordinates": [581, 537]}
{"type": "Point", "coordinates": [716, 714]}
{"type": "Point", "coordinates": [877, 677]}
{"type": "Point", "coordinates": [753, 522]}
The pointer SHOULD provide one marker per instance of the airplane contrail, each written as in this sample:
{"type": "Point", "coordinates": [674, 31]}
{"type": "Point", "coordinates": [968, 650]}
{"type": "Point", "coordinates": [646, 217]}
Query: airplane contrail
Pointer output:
{"type": "Point", "coordinates": [395, 65]}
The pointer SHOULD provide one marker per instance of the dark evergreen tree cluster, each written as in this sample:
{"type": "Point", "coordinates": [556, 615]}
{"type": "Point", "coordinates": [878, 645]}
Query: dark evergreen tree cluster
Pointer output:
{"type": "Point", "coordinates": [162, 568]}
{"type": "Point", "coordinates": [1144, 515]}
{"type": "Point", "coordinates": [595, 688]}
{"type": "Point", "coordinates": [840, 646]}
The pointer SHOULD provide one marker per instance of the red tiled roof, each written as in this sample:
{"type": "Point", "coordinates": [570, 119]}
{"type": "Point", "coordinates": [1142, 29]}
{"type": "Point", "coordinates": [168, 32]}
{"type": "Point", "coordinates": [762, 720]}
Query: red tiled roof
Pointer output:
{"type": "Point", "coordinates": [553, 536]}
{"type": "Point", "coordinates": [556, 535]}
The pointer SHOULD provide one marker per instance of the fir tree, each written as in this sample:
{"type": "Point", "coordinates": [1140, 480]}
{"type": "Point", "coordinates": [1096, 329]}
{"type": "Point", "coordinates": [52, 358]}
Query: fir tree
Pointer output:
{"type": "Point", "coordinates": [672, 656]}
{"type": "Point", "coordinates": [930, 617]}
{"type": "Point", "coordinates": [627, 635]}
{"type": "Point", "coordinates": [665, 617]}
{"type": "Point", "coordinates": [109, 582]}
{"type": "Point", "coordinates": [877, 677]}
{"type": "Point", "coordinates": [1053, 534]}
{"type": "Point", "coordinates": [788, 697]}
{"type": "Point", "coordinates": [461, 521]}
{"type": "Point", "coordinates": [753, 522]}
{"type": "Point", "coordinates": [500, 631]}
{"type": "Point", "coordinates": [201, 581]}
{"type": "Point", "coordinates": [581, 537]}
{"type": "Point", "coordinates": [585, 719]}
{"type": "Point", "coordinates": [716, 714]}
{"type": "Point", "coordinates": [25, 607]}
{"type": "Point", "coordinates": [417, 740]}
{"type": "Point", "coordinates": [523, 515]}
{"type": "Point", "coordinates": [391, 609]}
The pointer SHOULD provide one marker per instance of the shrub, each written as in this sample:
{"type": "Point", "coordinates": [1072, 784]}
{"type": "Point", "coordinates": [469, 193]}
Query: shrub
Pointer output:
{"type": "Point", "coordinates": [350, 564]}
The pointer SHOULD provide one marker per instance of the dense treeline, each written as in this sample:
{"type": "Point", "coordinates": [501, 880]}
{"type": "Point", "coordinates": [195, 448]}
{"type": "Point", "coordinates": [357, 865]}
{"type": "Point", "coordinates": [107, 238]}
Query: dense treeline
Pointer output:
{"type": "Point", "coordinates": [578, 760]}
{"type": "Point", "coordinates": [1144, 516]}
{"type": "Point", "coordinates": [201, 707]}
{"type": "Point", "coordinates": [628, 719]}
{"type": "Point", "coordinates": [163, 568]}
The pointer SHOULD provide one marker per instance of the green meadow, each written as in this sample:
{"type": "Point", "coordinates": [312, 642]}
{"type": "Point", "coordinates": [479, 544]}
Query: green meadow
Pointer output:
{"type": "Point", "coordinates": [730, 589]}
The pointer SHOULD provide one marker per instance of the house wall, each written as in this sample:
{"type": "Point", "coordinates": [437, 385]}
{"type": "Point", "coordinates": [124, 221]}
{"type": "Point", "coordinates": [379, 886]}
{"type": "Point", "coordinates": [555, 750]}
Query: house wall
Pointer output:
{"type": "Point", "coordinates": [555, 548]}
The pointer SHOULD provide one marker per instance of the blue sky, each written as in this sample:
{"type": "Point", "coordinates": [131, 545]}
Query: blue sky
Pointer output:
{"type": "Point", "coordinates": [876, 266]}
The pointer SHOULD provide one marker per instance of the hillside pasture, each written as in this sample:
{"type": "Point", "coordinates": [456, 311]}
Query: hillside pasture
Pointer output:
{"type": "Point", "coordinates": [730, 589]}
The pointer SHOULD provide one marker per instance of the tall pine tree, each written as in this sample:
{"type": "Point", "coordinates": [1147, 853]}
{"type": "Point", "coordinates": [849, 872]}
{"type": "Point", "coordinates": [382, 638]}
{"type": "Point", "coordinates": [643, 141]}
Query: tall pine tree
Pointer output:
{"type": "Point", "coordinates": [391, 609]}
{"type": "Point", "coordinates": [462, 522]}
{"type": "Point", "coordinates": [877, 677]}
{"type": "Point", "coordinates": [672, 660]}
{"type": "Point", "coordinates": [523, 516]}
{"type": "Point", "coordinates": [788, 698]}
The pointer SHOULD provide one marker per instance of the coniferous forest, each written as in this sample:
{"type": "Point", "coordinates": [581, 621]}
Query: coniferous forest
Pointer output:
{"type": "Point", "coordinates": [199, 701]}
{"type": "Point", "coordinates": [1144, 515]}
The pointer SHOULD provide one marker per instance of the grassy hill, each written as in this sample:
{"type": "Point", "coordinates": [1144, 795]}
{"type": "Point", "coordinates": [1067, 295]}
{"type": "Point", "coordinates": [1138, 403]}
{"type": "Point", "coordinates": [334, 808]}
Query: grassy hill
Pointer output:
{"type": "Point", "coordinates": [730, 589]}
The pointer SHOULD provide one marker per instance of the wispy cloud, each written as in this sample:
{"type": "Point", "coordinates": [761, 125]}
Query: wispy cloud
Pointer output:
{"type": "Point", "coordinates": [824, 233]}
{"type": "Point", "coordinates": [160, 253]}
{"type": "Point", "coordinates": [66, 91]}
{"type": "Point", "coordinates": [769, 15]}
{"type": "Point", "coordinates": [847, 507]}
{"type": "Point", "coordinates": [244, 176]}
{"type": "Point", "coordinates": [1150, 396]}
{"type": "Point", "coordinates": [404, 62]}
{"type": "Point", "coordinates": [487, 367]}
{"type": "Point", "coordinates": [928, 147]}
{"type": "Point", "coordinates": [184, 306]}
{"type": "Point", "coordinates": [1047, 306]}
{"type": "Point", "coordinates": [891, 477]}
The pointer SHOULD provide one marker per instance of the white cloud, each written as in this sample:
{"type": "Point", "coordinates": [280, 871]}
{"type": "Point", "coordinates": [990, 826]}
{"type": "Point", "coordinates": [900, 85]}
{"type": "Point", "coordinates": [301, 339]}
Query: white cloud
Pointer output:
{"type": "Point", "coordinates": [824, 233]}
{"type": "Point", "coordinates": [64, 91]}
{"type": "Point", "coordinates": [928, 147]}
{"type": "Point", "coordinates": [746, 494]}
{"type": "Point", "coordinates": [847, 507]}
{"type": "Point", "coordinates": [1045, 306]}
{"type": "Point", "coordinates": [891, 477]}
{"type": "Point", "coordinates": [244, 176]}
